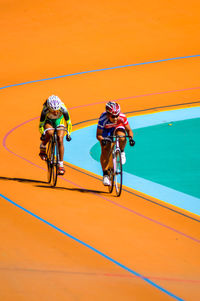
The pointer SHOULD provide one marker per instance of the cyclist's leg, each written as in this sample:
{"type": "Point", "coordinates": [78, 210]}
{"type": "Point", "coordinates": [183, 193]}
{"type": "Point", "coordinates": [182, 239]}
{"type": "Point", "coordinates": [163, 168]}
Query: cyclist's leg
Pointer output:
{"type": "Point", "coordinates": [106, 151]}
{"type": "Point", "coordinates": [43, 144]}
{"type": "Point", "coordinates": [122, 142]}
{"type": "Point", "coordinates": [48, 135]}
{"type": "Point", "coordinates": [104, 159]}
{"type": "Point", "coordinates": [61, 169]}
{"type": "Point", "coordinates": [105, 155]}
{"type": "Point", "coordinates": [60, 134]}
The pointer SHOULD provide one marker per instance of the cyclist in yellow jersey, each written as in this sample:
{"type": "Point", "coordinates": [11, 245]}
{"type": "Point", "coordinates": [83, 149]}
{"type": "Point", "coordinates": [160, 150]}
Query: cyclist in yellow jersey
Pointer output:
{"type": "Point", "coordinates": [54, 113]}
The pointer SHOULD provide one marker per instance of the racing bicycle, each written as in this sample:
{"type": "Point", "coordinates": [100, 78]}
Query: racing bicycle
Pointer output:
{"type": "Point", "coordinates": [115, 171]}
{"type": "Point", "coordinates": [52, 158]}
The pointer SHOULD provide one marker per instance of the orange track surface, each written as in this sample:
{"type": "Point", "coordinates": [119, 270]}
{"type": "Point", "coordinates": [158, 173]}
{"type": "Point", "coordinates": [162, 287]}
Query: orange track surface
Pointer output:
{"type": "Point", "coordinates": [44, 39]}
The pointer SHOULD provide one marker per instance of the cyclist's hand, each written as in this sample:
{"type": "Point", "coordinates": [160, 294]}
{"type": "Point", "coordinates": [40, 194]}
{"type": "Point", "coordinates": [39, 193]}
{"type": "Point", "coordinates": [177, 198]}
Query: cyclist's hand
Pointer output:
{"type": "Point", "coordinates": [41, 129]}
{"type": "Point", "coordinates": [68, 138]}
{"type": "Point", "coordinates": [42, 137]}
{"type": "Point", "coordinates": [131, 142]}
{"type": "Point", "coordinates": [103, 142]}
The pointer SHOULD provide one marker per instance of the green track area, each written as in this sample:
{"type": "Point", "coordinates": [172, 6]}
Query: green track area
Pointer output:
{"type": "Point", "coordinates": [168, 154]}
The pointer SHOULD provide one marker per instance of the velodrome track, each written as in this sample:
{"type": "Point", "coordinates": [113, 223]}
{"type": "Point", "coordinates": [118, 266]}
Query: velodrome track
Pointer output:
{"type": "Point", "coordinates": [77, 242]}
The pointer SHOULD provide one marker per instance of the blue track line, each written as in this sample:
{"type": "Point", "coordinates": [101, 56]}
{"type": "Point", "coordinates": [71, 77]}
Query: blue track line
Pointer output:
{"type": "Point", "coordinates": [104, 69]}
{"type": "Point", "coordinates": [95, 250]}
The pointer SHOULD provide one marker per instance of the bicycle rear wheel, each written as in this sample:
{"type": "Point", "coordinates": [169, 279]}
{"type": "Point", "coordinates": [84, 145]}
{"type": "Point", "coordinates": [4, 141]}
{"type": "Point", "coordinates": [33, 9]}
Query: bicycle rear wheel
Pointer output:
{"type": "Point", "coordinates": [49, 163]}
{"type": "Point", "coordinates": [54, 163]}
{"type": "Point", "coordinates": [118, 172]}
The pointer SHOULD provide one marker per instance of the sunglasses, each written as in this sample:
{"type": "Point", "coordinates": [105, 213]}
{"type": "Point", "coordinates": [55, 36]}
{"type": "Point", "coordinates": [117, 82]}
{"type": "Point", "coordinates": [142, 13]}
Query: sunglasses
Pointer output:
{"type": "Point", "coordinates": [114, 116]}
{"type": "Point", "coordinates": [54, 111]}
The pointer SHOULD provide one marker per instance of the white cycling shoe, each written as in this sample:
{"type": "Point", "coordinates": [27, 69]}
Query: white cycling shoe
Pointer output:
{"type": "Point", "coordinates": [123, 157]}
{"type": "Point", "coordinates": [106, 180]}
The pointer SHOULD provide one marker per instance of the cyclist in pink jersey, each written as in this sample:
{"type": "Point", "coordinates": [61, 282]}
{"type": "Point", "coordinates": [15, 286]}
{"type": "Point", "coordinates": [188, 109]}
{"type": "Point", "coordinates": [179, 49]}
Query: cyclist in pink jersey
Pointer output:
{"type": "Point", "coordinates": [112, 122]}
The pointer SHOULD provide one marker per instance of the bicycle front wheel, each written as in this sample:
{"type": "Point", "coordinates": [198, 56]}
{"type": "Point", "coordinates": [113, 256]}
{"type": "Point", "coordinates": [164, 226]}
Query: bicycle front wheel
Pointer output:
{"type": "Point", "coordinates": [118, 172]}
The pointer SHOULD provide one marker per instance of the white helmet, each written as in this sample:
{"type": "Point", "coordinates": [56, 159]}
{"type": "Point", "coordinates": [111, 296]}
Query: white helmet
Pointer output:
{"type": "Point", "coordinates": [54, 103]}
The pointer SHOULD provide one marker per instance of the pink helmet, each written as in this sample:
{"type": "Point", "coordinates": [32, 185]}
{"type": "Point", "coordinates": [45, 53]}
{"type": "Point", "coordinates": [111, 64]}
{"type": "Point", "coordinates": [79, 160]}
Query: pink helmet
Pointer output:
{"type": "Point", "coordinates": [54, 103]}
{"type": "Point", "coordinates": [113, 108]}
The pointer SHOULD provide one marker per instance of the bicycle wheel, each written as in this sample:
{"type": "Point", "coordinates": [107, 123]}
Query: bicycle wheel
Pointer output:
{"type": "Point", "coordinates": [49, 163]}
{"type": "Point", "coordinates": [111, 176]}
{"type": "Point", "coordinates": [54, 163]}
{"type": "Point", "coordinates": [118, 172]}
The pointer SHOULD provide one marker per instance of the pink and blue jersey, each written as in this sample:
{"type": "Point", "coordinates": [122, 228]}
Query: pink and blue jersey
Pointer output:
{"type": "Point", "coordinates": [109, 127]}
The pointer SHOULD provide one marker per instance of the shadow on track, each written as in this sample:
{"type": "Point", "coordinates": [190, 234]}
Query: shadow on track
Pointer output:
{"type": "Point", "coordinates": [21, 180]}
{"type": "Point", "coordinates": [71, 189]}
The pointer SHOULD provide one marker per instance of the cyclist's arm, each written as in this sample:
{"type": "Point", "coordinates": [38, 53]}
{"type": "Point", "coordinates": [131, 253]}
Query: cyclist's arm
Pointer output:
{"type": "Point", "coordinates": [67, 118]}
{"type": "Point", "coordinates": [42, 120]}
{"type": "Point", "coordinates": [66, 115]}
{"type": "Point", "coordinates": [68, 121]}
{"type": "Point", "coordinates": [129, 131]}
{"type": "Point", "coordinates": [69, 126]}
{"type": "Point", "coordinates": [99, 134]}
